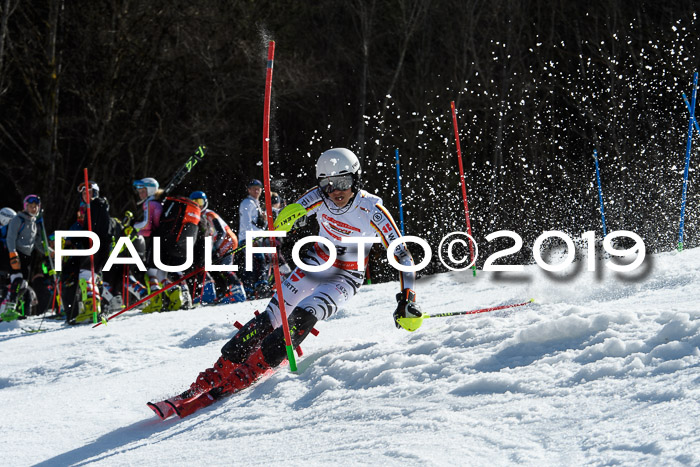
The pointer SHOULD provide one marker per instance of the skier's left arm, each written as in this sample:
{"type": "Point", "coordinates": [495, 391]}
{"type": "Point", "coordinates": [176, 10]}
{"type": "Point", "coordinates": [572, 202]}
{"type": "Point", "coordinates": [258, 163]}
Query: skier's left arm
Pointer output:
{"type": "Point", "coordinates": [387, 230]}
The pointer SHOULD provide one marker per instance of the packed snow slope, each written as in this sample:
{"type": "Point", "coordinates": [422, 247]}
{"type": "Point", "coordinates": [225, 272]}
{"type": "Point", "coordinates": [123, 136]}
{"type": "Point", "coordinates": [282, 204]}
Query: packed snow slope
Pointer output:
{"type": "Point", "coordinates": [602, 369]}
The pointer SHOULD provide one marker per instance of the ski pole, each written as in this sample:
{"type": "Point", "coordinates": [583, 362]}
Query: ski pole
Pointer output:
{"type": "Point", "coordinates": [462, 183]}
{"type": "Point", "coordinates": [481, 310]}
{"type": "Point", "coordinates": [411, 324]}
{"type": "Point", "coordinates": [687, 160]}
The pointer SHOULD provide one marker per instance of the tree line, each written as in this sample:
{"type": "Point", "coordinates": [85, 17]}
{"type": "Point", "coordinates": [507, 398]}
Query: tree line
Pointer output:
{"type": "Point", "coordinates": [129, 89]}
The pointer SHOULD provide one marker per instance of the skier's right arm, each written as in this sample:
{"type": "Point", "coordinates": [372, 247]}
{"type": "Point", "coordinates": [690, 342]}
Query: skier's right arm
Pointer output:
{"type": "Point", "coordinates": [311, 200]}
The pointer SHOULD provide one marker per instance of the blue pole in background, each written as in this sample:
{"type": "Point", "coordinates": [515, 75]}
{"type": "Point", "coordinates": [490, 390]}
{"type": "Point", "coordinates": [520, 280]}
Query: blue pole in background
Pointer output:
{"type": "Point", "coordinates": [687, 160]}
{"type": "Point", "coordinates": [398, 182]}
{"type": "Point", "coordinates": [695, 120]}
{"type": "Point", "coordinates": [600, 193]}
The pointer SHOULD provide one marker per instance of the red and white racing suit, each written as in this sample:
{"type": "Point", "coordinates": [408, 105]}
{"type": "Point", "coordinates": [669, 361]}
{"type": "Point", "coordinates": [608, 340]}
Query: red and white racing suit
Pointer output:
{"type": "Point", "coordinates": [322, 292]}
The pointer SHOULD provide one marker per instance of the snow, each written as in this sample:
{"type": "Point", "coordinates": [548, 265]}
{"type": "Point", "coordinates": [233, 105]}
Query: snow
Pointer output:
{"type": "Point", "coordinates": [601, 369]}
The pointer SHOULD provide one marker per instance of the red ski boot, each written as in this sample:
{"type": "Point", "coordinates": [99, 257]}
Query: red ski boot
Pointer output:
{"type": "Point", "coordinates": [212, 377]}
{"type": "Point", "coordinates": [247, 373]}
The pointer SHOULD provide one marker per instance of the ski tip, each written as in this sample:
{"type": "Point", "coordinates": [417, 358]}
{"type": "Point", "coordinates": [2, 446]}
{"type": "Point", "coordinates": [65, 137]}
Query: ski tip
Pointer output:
{"type": "Point", "coordinates": [156, 410]}
{"type": "Point", "coordinates": [161, 410]}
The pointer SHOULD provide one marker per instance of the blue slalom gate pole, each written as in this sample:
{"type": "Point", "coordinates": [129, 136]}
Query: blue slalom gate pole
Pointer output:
{"type": "Point", "coordinates": [687, 160]}
{"type": "Point", "coordinates": [600, 193]}
{"type": "Point", "coordinates": [695, 120]}
{"type": "Point", "coordinates": [398, 182]}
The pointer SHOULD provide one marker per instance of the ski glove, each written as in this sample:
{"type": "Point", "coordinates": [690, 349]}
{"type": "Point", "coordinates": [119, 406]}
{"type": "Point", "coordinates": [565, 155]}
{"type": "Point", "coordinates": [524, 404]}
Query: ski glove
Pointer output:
{"type": "Point", "coordinates": [408, 314]}
{"type": "Point", "coordinates": [261, 221]}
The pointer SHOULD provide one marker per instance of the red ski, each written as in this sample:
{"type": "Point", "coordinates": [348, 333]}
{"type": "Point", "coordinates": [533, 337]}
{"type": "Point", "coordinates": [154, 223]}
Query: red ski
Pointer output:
{"type": "Point", "coordinates": [186, 404]}
{"type": "Point", "coordinates": [182, 406]}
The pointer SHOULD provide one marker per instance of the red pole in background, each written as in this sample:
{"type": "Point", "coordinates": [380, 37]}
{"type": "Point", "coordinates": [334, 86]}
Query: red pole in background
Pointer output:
{"type": "Point", "coordinates": [92, 257]}
{"type": "Point", "coordinates": [464, 186]}
{"type": "Point", "coordinates": [268, 203]}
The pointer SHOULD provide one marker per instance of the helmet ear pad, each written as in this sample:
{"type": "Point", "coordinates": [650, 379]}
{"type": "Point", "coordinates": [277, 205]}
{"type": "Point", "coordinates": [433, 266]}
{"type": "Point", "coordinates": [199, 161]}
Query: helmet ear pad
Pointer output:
{"type": "Point", "coordinates": [357, 182]}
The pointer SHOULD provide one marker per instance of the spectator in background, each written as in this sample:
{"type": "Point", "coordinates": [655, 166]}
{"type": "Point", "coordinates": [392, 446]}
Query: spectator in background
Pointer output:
{"type": "Point", "coordinates": [77, 271]}
{"type": "Point", "coordinates": [23, 238]}
{"type": "Point", "coordinates": [252, 218]}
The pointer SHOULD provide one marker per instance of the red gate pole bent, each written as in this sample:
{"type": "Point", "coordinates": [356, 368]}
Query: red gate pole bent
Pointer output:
{"type": "Point", "coordinates": [268, 203]}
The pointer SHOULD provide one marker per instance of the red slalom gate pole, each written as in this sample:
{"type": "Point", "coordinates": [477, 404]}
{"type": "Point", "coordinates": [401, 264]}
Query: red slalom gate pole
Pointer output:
{"type": "Point", "coordinates": [464, 186]}
{"type": "Point", "coordinates": [92, 257]}
{"type": "Point", "coordinates": [268, 203]}
{"type": "Point", "coordinates": [481, 310]}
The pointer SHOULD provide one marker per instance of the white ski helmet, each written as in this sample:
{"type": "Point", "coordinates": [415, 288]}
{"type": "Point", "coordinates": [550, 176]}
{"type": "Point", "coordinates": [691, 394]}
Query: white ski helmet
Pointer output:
{"type": "Point", "coordinates": [151, 185]}
{"type": "Point", "coordinates": [6, 215]}
{"type": "Point", "coordinates": [337, 161]}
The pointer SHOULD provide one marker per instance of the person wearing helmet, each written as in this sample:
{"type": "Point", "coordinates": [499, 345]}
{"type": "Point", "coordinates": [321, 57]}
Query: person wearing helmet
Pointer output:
{"type": "Point", "coordinates": [252, 218]}
{"type": "Point", "coordinates": [343, 211]}
{"type": "Point", "coordinates": [149, 193]}
{"type": "Point", "coordinates": [23, 238]}
{"type": "Point", "coordinates": [77, 272]}
{"type": "Point", "coordinates": [224, 241]}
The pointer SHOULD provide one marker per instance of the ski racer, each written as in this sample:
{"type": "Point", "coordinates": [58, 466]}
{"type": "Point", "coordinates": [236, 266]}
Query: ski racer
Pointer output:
{"type": "Point", "coordinates": [343, 210]}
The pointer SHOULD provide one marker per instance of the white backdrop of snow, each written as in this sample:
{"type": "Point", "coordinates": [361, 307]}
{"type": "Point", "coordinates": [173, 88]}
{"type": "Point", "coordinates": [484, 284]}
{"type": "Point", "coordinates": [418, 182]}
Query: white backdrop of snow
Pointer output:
{"type": "Point", "coordinates": [602, 369]}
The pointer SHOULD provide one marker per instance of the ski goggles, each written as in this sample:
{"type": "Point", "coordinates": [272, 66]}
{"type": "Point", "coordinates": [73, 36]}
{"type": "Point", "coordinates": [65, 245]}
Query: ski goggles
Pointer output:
{"type": "Point", "coordinates": [91, 185]}
{"type": "Point", "coordinates": [336, 182]}
{"type": "Point", "coordinates": [199, 201]}
{"type": "Point", "coordinates": [32, 200]}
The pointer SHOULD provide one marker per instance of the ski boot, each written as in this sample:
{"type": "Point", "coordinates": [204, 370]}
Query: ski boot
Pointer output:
{"type": "Point", "coordinates": [247, 373]}
{"type": "Point", "coordinates": [227, 377]}
{"type": "Point", "coordinates": [137, 289]}
{"type": "Point", "coordinates": [234, 294]}
{"type": "Point", "coordinates": [208, 294]}
{"type": "Point", "coordinates": [114, 305]}
{"type": "Point", "coordinates": [175, 298]}
{"type": "Point", "coordinates": [86, 307]}
{"type": "Point", "coordinates": [211, 378]}
{"type": "Point", "coordinates": [186, 297]}
{"type": "Point", "coordinates": [87, 310]}
{"type": "Point", "coordinates": [8, 312]}
{"type": "Point", "coordinates": [154, 304]}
